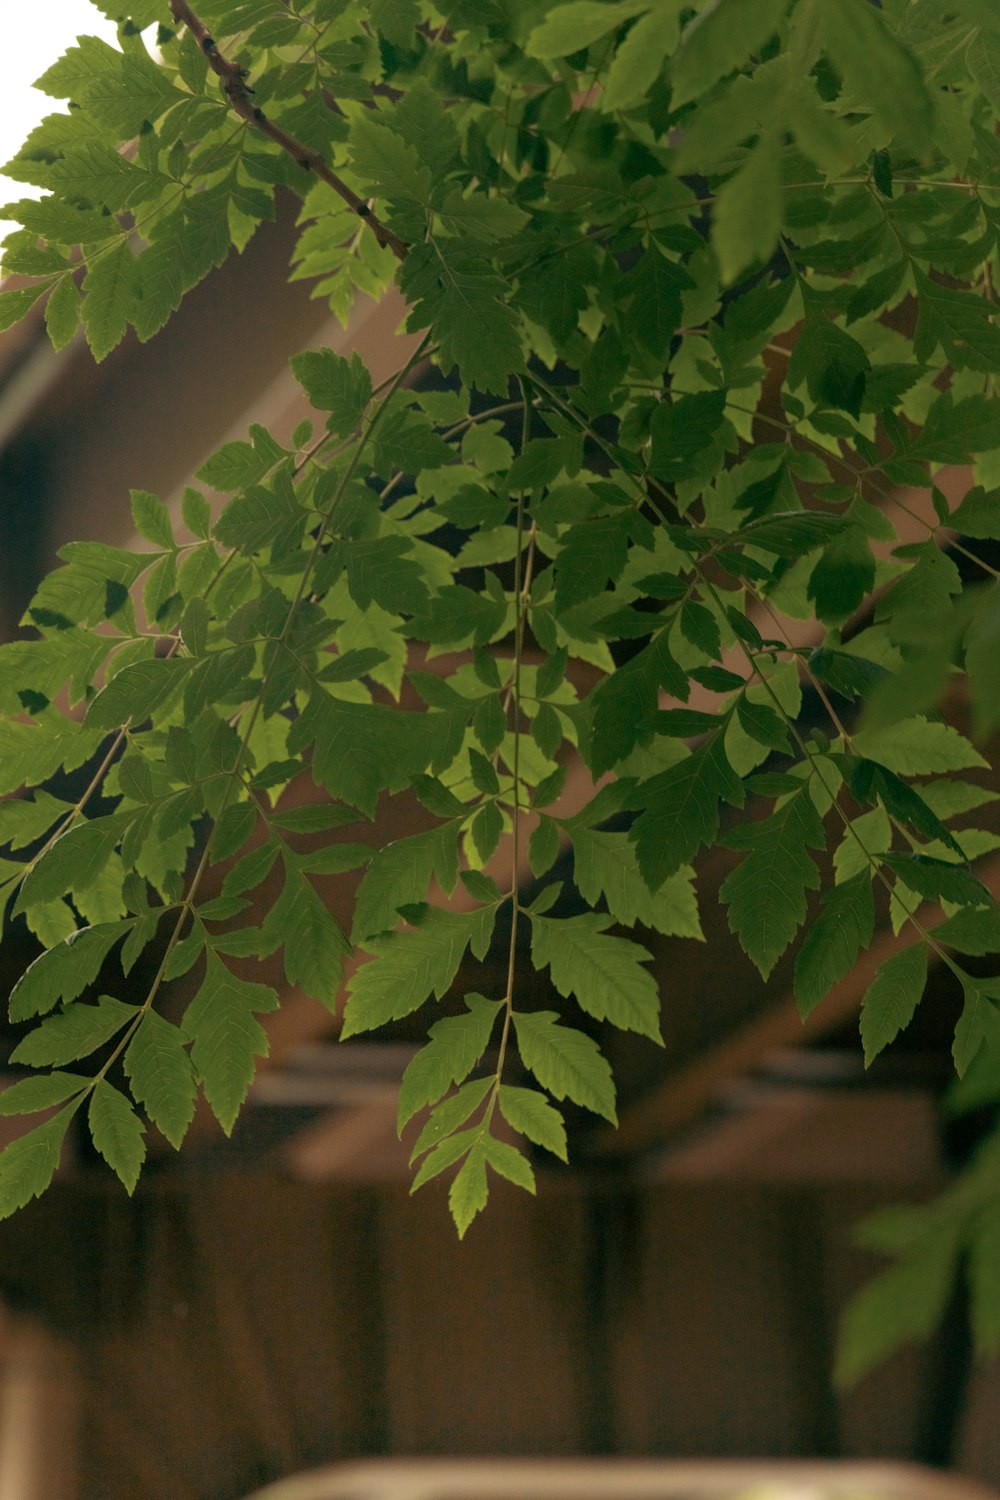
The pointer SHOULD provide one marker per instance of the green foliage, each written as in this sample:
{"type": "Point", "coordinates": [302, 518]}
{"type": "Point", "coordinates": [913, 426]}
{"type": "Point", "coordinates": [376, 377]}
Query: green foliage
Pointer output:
{"type": "Point", "coordinates": [664, 254]}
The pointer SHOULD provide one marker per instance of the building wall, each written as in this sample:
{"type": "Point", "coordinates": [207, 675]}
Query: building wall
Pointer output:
{"type": "Point", "coordinates": [231, 1329]}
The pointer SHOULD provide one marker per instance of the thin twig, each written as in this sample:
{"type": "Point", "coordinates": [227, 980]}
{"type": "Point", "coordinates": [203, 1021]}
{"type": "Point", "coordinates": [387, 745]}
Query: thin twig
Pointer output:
{"type": "Point", "coordinates": [240, 96]}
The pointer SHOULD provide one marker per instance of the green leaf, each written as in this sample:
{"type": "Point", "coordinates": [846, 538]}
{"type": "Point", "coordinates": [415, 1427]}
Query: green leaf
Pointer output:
{"type": "Point", "coordinates": [92, 587]}
{"type": "Point", "coordinates": [15, 304]}
{"type": "Point", "coordinates": [749, 209]}
{"type": "Point", "coordinates": [900, 1306]}
{"type": "Point", "coordinates": [917, 747]}
{"type": "Point", "coordinates": [73, 1033]}
{"type": "Point", "coordinates": [981, 662]}
{"type": "Point", "coordinates": [603, 974]}
{"type": "Point", "coordinates": [231, 467]}
{"type": "Point", "coordinates": [226, 1037]}
{"type": "Point", "coordinates": [592, 555]}
{"type": "Point", "coordinates": [456, 613]}
{"type": "Point", "coordinates": [137, 691]}
{"type": "Point", "coordinates": [28, 1165]}
{"type": "Point", "coordinates": [766, 893]}
{"type": "Point", "coordinates": [878, 69]}
{"type": "Point", "coordinates": [152, 519]}
{"type": "Point", "coordinates": [76, 859]}
{"type": "Point", "coordinates": [842, 577]}
{"type": "Point", "coordinates": [410, 966]}
{"type": "Point", "coordinates": [34, 1094]}
{"type": "Point", "coordinates": [62, 311]}
{"type": "Point", "coordinates": [974, 930]}
{"type": "Point", "coordinates": [362, 749]}
{"type": "Point", "coordinates": [954, 430]}
{"type": "Point", "coordinates": [52, 922]}
{"type": "Point", "coordinates": [388, 165]}
{"type": "Point", "coordinates": [531, 1115]}
{"type": "Point", "coordinates": [982, 58]}
{"type": "Point", "coordinates": [314, 946]}
{"type": "Point", "coordinates": [951, 796]}
{"type": "Point", "coordinates": [196, 513]}
{"type": "Point", "coordinates": [680, 810]}
{"type": "Point", "coordinates": [398, 876]}
{"type": "Point", "coordinates": [566, 1063]}
{"type": "Point", "coordinates": [937, 879]}
{"type": "Point", "coordinates": [763, 724]}
{"type": "Point", "coordinates": [469, 1192]}
{"type": "Point", "coordinates": [978, 514]}
{"type": "Point", "coordinates": [624, 703]}
{"type": "Point", "coordinates": [544, 847]}
{"type": "Point", "coordinates": [683, 428]}
{"type": "Point", "coordinates": [721, 38]}
{"type": "Point", "coordinates": [979, 1021]}
{"type": "Point", "coordinates": [568, 28]}
{"type": "Point", "coordinates": [960, 321]}
{"type": "Point", "coordinates": [983, 1268]}
{"type": "Point", "coordinates": [654, 316]}
{"type": "Point", "coordinates": [486, 830]}
{"type": "Point", "coordinates": [892, 998]}
{"type": "Point", "coordinates": [336, 385]}
{"type": "Point", "coordinates": [397, 20]}
{"type": "Point", "coordinates": [451, 1150]}
{"type": "Point", "coordinates": [31, 753]}
{"type": "Point", "coordinates": [641, 57]}
{"type": "Point", "coordinates": [604, 864]}
{"type": "Point", "coordinates": [480, 217]}
{"type": "Point", "coordinates": [117, 1133]}
{"type": "Point", "coordinates": [467, 304]}
{"type": "Point", "coordinates": [161, 1075]}
{"type": "Point", "coordinates": [508, 1162]}
{"type": "Point", "coordinates": [379, 572]}
{"type": "Point", "coordinates": [408, 442]}
{"type": "Point", "coordinates": [455, 1047]}
{"type": "Point", "coordinates": [844, 926]}
{"type": "Point", "coordinates": [833, 365]}
{"type": "Point", "coordinates": [109, 294]}
{"type": "Point", "coordinates": [262, 516]}
{"type": "Point", "coordinates": [65, 971]}
{"type": "Point", "coordinates": [490, 724]}
{"type": "Point", "coordinates": [444, 1121]}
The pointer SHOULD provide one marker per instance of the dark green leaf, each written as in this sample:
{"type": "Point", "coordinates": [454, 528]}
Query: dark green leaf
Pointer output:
{"type": "Point", "coordinates": [881, 73]}
{"type": "Point", "coordinates": [892, 998]}
{"type": "Point", "coordinates": [766, 893]}
{"type": "Point", "coordinates": [938, 880]}
{"type": "Point", "coordinates": [336, 385]}
{"type": "Point", "coordinates": [680, 810]}
{"type": "Point", "coordinates": [844, 926]}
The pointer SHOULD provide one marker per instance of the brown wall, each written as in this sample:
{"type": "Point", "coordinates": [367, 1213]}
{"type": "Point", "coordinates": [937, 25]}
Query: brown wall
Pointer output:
{"type": "Point", "coordinates": [230, 1329]}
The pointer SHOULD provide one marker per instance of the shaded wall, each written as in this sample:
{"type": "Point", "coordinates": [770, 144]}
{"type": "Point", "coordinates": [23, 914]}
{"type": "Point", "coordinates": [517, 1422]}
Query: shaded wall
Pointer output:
{"type": "Point", "coordinates": [232, 1329]}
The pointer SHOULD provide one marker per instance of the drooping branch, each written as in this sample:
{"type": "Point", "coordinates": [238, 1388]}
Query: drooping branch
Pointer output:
{"type": "Point", "coordinates": [240, 96]}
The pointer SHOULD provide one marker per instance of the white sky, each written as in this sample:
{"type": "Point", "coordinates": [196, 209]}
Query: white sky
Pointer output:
{"type": "Point", "coordinates": [33, 37]}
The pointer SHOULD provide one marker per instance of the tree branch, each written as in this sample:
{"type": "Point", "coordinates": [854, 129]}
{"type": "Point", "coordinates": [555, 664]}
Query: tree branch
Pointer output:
{"type": "Point", "coordinates": [240, 96]}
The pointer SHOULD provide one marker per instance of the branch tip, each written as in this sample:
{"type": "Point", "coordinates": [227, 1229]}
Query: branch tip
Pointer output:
{"type": "Point", "coordinates": [233, 77]}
